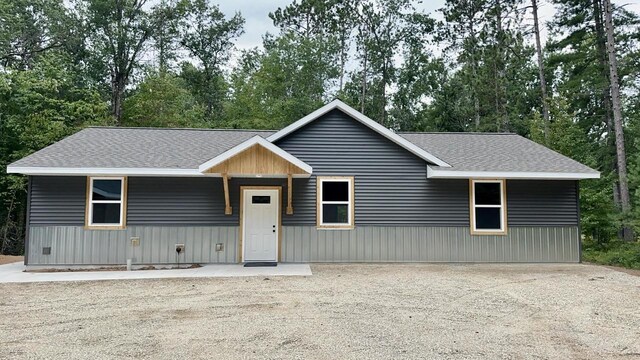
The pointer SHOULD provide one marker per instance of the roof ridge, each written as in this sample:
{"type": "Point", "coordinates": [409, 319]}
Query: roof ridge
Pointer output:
{"type": "Point", "coordinates": [171, 128]}
{"type": "Point", "coordinates": [457, 132]}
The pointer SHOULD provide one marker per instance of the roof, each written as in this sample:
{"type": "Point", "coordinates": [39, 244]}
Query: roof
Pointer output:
{"type": "Point", "coordinates": [496, 155]}
{"type": "Point", "coordinates": [185, 152]}
{"type": "Point", "coordinates": [149, 150]}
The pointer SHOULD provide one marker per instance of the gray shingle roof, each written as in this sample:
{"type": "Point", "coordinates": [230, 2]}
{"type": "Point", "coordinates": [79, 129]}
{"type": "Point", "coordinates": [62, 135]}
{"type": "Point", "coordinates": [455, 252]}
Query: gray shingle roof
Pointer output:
{"type": "Point", "coordinates": [106, 147]}
{"type": "Point", "coordinates": [494, 152]}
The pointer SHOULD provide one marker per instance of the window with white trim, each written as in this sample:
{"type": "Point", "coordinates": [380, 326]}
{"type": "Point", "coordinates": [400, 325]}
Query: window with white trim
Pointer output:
{"type": "Point", "coordinates": [335, 202]}
{"type": "Point", "coordinates": [488, 209]}
{"type": "Point", "coordinates": [106, 201]}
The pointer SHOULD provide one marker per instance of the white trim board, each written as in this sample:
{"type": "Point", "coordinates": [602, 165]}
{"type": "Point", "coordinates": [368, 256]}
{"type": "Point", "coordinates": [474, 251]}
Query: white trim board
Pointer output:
{"type": "Point", "coordinates": [102, 171]}
{"type": "Point", "coordinates": [337, 104]}
{"type": "Point", "coordinates": [451, 174]}
{"type": "Point", "coordinates": [256, 140]}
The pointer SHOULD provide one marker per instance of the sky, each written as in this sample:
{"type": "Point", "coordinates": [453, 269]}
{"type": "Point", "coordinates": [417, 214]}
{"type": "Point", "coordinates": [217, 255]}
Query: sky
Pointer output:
{"type": "Point", "coordinates": [256, 14]}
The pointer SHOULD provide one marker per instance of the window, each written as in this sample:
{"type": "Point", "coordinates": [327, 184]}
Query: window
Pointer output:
{"type": "Point", "coordinates": [488, 209]}
{"type": "Point", "coordinates": [259, 199]}
{"type": "Point", "coordinates": [335, 202]}
{"type": "Point", "coordinates": [106, 201]}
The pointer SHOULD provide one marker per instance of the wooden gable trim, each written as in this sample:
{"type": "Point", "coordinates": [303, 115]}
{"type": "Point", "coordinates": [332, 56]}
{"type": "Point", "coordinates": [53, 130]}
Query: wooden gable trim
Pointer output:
{"type": "Point", "coordinates": [256, 160]}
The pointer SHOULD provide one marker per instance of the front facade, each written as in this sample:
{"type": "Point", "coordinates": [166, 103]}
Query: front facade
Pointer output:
{"type": "Point", "coordinates": [332, 187]}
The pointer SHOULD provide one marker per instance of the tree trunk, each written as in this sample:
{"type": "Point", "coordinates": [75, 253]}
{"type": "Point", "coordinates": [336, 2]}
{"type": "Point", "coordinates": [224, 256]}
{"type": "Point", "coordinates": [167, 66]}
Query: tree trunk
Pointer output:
{"type": "Point", "coordinates": [543, 82]}
{"type": "Point", "coordinates": [364, 82]}
{"type": "Point", "coordinates": [625, 201]}
{"type": "Point", "coordinates": [474, 73]}
{"type": "Point", "coordinates": [117, 93]}
{"type": "Point", "coordinates": [343, 56]}
{"type": "Point", "coordinates": [383, 112]}
{"type": "Point", "coordinates": [606, 94]}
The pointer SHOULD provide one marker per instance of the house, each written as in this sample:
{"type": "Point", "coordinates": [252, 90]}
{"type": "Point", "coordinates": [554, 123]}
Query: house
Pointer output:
{"type": "Point", "coordinates": [334, 186]}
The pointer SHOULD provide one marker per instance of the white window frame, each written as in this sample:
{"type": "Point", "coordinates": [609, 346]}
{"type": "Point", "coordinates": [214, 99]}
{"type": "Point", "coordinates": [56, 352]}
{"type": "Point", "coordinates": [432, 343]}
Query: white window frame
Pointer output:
{"type": "Point", "coordinates": [502, 207]}
{"type": "Point", "coordinates": [350, 202]}
{"type": "Point", "coordinates": [91, 201]}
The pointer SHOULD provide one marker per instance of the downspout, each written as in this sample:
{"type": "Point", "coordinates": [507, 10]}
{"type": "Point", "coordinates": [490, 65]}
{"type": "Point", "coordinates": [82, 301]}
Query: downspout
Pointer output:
{"type": "Point", "coordinates": [27, 222]}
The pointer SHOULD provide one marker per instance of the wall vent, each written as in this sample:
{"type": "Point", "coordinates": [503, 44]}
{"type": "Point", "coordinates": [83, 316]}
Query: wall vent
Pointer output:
{"type": "Point", "coordinates": [46, 250]}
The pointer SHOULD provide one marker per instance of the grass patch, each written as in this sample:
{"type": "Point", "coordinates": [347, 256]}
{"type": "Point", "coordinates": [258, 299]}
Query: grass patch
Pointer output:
{"type": "Point", "coordinates": [616, 253]}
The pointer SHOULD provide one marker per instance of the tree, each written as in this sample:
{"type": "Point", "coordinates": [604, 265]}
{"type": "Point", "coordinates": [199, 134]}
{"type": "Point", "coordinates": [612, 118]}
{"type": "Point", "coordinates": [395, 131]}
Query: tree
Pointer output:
{"type": "Point", "coordinates": [165, 20]}
{"type": "Point", "coordinates": [118, 32]}
{"type": "Point", "coordinates": [208, 35]}
{"type": "Point", "coordinates": [285, 82]}
{"type": "Point", "coordinates": [461, 29]}
{"type": "Point", "coordinates": [621, 152]}
{"type": "Point", "coordinates": [543, 81]}
{"type": "Point", "coordinates": [162, 100]}
{"type": "Point", "coordinates": [28, 29]}
{"type": "Point", "coordinates": [383, 27]}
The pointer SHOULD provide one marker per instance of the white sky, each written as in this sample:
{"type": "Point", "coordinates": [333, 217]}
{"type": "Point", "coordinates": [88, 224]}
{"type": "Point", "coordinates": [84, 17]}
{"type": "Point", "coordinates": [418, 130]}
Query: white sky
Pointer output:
{"type": "Point", "coordinates": [256, 14]}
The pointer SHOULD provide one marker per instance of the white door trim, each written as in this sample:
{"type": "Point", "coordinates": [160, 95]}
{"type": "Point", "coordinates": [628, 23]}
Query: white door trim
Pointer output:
{"type": "Point", "coordinates": [241, 257]}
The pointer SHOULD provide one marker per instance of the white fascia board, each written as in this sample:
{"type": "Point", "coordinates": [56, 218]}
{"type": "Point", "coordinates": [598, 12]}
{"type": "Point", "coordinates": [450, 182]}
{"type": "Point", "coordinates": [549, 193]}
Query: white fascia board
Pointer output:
{"type": "Point", "coordinates": [449, 174]}
{"type": "Point", "coordinates": [337, 104]}
{"type": "Point", "coordinates": [101, 171]}
{"type": "Point", "coordinates": [256, 140]}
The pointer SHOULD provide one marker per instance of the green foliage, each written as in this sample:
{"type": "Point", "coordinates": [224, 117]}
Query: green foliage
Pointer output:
{"type": "Point", "coordinates": [162, 101]}
{"type": "Point", "coordinates": [208, 35]}
{"type": "Point", "coordinates": [285, 82]}
{"type": "Point", "coordinates": [615, 253]}
{"type": "Point", "coordinates": [37, 108]}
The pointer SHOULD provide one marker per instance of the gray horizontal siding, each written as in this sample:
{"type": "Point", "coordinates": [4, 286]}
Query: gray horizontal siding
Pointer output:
{"type": "Point", "coordinates": [177, 201]}
{"type": "Point", "coordinates": [390, 183]}
{"type": "Point", "coordinates": [73, 245]}
{"type": "Point", "coordinates": [57, 200]}
{"type": "Point", "coordinates": [542, 203]}
{"type": "Point", "coordinates": [429, 244]}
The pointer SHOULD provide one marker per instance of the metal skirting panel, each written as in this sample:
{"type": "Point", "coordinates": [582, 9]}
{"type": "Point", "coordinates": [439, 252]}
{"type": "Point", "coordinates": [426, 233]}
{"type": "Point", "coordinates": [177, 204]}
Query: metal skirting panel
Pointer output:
{"type": "Point", "coordinates": [73, 245]}
{"type": "Point", "coordinates": [429, 244]}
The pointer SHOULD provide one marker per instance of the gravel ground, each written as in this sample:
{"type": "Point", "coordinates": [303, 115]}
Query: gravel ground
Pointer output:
{"type": "Point", "coordinates": [341, 312]}
{"type": "Point", "coordinates": [8, 259]}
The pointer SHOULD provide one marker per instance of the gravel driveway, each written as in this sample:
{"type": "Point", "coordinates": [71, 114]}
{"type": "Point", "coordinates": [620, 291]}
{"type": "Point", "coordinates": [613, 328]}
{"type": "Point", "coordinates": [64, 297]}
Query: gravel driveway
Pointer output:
{"type": "Point", "coordinates": [341, 312]}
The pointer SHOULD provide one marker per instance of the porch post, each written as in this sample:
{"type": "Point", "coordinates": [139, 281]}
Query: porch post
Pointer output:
{"type": "Point", "coordinates": [289, 195]}
{"type": "Point", "coordinates": [227, 204]}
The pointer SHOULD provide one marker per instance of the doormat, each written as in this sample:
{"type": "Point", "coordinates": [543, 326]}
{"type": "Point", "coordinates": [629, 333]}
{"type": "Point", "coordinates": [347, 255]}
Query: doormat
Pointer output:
{"type": "Point", "coordinates": [258, 264]}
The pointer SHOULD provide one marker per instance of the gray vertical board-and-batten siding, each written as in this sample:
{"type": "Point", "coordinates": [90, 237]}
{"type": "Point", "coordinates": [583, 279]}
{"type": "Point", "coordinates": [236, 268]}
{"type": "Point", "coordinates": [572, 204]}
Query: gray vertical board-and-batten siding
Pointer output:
{"type": "Point", "coordinates": [74, 245]}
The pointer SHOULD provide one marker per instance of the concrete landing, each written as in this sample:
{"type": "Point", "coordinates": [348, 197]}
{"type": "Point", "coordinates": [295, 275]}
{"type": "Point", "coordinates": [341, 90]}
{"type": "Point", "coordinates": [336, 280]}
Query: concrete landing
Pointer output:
{"type": "Point", "coordinates": [14, 273]}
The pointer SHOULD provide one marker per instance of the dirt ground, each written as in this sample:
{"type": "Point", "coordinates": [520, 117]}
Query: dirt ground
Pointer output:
{"type": "Point", "coordinates": [8, 259]}
{"type": "Point", "coordinates": [341, 312]}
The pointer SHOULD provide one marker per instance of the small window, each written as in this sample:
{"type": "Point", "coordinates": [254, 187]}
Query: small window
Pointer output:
{"type": "Point", "coordinates": [488, 207]}
{"type": "Point", "coordinates": [259, 199]}
{"type": "Point", "coordinates": [335, 202]}
{"type": "Point", "coordinates": [106, 202]}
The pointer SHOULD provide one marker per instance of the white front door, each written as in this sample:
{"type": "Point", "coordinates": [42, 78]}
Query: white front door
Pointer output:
{"type": "Point", "coordinates": [260, 224]}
